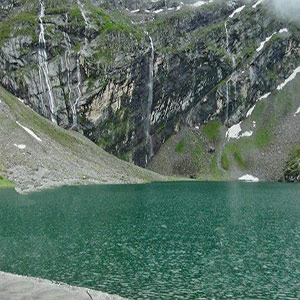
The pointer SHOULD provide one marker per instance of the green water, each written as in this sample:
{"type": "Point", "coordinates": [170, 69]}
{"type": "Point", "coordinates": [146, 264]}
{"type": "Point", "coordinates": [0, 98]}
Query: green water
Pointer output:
{"type": "Point", "coordinates": [159, 241]}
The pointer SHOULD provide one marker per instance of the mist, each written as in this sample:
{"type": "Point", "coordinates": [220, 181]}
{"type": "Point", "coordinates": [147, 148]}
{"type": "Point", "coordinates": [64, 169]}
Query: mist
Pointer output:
{"type": "Point", "coordinates": [285, 9]}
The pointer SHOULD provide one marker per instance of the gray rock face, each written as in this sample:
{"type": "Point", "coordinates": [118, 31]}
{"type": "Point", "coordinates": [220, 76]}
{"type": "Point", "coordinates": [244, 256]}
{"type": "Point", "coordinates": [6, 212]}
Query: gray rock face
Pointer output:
{"type": "Point", "coordinates": [98, 65]}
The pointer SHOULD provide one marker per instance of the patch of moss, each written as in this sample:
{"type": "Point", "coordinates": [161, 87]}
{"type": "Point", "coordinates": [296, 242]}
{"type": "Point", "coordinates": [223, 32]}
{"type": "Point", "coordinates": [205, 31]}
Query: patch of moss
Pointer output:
{"type": "Point", "coordinates": [293, 166]}
{"type": "Point", "coordinates": [225, 162]}
{"type": "Point", "coordinates": [180, 146]}
{"type": "Point", "coordinates": [211, 130]}
{"type": "Point", "coordinates": [23, 23]}
{"type": "Point", "coordinates": [5, 183]}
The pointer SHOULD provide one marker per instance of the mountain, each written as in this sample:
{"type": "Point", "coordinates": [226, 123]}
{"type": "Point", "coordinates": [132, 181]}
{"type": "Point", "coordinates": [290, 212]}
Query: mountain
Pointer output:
{"type": "Point", "coordinates": [206, 90]}
{"type": "Point", "coordinates": [36, 154]}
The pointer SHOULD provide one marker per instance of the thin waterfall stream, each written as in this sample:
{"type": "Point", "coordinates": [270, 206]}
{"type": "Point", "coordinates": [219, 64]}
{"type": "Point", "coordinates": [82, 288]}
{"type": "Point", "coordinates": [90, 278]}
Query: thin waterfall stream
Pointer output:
{"type": "Point", "coordinates": [43, 65]}
{"type": "Point", "coordinates": [149, 142]}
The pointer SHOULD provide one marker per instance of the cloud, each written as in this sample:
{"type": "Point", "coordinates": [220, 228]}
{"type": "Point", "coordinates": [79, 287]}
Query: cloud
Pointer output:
{"type": "Point", "coordinates": [287, 9]}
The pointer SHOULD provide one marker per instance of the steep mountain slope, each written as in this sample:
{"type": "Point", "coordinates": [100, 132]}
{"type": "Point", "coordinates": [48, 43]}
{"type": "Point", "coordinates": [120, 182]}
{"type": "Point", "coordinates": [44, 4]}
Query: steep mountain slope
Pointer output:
{"type": "Point", "coordinates": [36, 154]}
{"type": "Point", "coordinates": [135, 76]}
{"type": "Point", "coordinates": [260, 145]}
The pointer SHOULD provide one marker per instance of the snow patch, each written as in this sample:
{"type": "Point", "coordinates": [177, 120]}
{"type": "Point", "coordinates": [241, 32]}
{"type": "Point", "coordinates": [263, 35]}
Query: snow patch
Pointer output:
{"type": "Point", "coordinates": [21, 146]}
{"type": "Point", "coordinates": [249, 178]}
{"type": "Point", "coordinates": [292, 77]}
{"type": "Point", "coordinates": [283, 30]}
{"type": "Point", "coordinates": [238, 10]}
{"type": "Point", "coordinates": [263, 97]}
{"type": "Point", "coordinates": [234, 131]}
{"type": "Point", "coordinates": [257, 3]}
{"type": "Point", "coordinates": [297, 112]}
{"type": "Point", "coordinates": [246, 134]}
{"type": "Point", "coordinates": [250, 111]}
{"type": "Point", "coordinates": [29, 132]}
{"type": "Point", "coordinates": [198, 3]}
{"type": "Point", "coordinates": [262, 44]}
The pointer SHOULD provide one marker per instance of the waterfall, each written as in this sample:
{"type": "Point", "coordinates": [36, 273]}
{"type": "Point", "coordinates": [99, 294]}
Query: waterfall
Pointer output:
{"type": "Point", "coordinates": [43, 64]}
{"type": "Point", "coordinates": [72, 93]}
{"type": "Point", "coordinates": [67, 55]}
{"type": "Point", "coordinates": [79, 94]}
{"type": "Point", "coordinates": [227, 82]}
{"type": "Point", "coordinates": [86, 21]}
{"type": "Point", "coordinates": [78, 87]}
{"type": "Point", "coordinates": [149, 103]}
{"type": "Point", "coordinates": [233, 77]}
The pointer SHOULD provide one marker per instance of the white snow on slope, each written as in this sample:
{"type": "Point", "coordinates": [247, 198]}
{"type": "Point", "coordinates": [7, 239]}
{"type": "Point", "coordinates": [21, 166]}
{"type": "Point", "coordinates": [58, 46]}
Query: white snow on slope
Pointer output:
{"type": "Point", "coordinates": [21, 146]}
{"type": "Point", "coordinates": [198, 3]}
{"type": "Point", "coordinates": [234, 131]}
{"type": "Point", "coordinates": [262, 44]}
{"type": "Point", "coordinates": [264, 96]}
{"type": "Point", "coordinates": [283, 30]}
{"type": "Point", "coordinates": [238, 10]}
{"type": "Point", "coordinates": [250, 111]}
{"type": "Point", "coordinates": [257, 3]}
{"type": "Point", "coordinates": [249, 178]}
{"type": "Point", "coordinates": [29, 132]}
{"type": "Point", "coordinates": [246, 134]}
{"type": "Point", "coordinates": [297, 112]}
{"type": "Point", "coordinates": [292, 77]}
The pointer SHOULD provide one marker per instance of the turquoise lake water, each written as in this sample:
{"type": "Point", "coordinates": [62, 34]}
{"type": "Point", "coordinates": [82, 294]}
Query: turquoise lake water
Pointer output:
{"type": "Point", "coordinates": [185, 240]}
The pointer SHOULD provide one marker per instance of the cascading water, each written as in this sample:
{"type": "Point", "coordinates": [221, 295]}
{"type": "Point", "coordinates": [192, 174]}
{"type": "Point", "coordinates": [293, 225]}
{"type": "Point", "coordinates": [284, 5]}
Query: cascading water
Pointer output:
{"type": "Point", "coordinates": [79, 94]}
{"type": "Point", "coordinates": [72, 94]}
{"type": "Point", "coordinates": [78, 87]}
{"type": "Point", "coordinates": [233, 77]}
{"type": "Point", "coordinates": [67, 55]}
{"type": "Point", "coordinates": [43, 65]}
{"type": "Point", "coordinates": [149, 103]}
{"type": "Point", "coordinates": [227, 82]}
{"type": "Point", "coordinates": [86, 20]}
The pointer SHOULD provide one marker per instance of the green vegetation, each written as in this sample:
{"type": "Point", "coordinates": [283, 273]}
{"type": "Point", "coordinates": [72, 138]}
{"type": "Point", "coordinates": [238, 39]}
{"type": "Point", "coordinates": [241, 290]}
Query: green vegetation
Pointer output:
{"type": "Point", "coordinates": [36, 123]}
{"type": "Point", "coordinates": [114, 129]}
{"type": "Point", "coordinates": [293, 166]}
{"type": "Point", "coordinates": [215, 172]}
{"type": "Point", "coordinates": [233, 153]}
{"type": "Point", "coordinates": [56, 10]}
{"type": "Point", "coordinates": [5, 183]}
{"type": "Point", "coordinates": [212, 130]}
{"type": "Point", "coordinates": [180, 146]}
{"type": "Point", "coordinates": [24, 23]}
{"type": "Point", "coordinates": [113, 22]}
{"type": "Point", "coordinates": [225, 161]}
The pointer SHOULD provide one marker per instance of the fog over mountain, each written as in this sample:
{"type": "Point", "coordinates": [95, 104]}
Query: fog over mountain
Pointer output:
{"type": "Point", "coordinates": [287, 8]}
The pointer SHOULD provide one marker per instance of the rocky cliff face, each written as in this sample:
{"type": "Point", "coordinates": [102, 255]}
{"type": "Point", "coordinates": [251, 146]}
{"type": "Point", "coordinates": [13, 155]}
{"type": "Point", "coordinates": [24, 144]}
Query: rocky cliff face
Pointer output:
{"type": "Point", "coordinates": [131, 75]}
